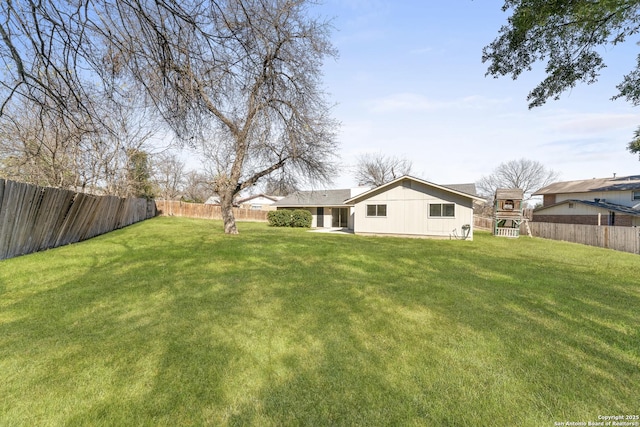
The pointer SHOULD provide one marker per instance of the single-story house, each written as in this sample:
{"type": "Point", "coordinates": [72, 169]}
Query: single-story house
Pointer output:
{"type": "Point", "coordinates": [597, 201]}
{"type": "Point", "coordinates": [406, 206]}
{"type": "Point", "coordinates": [409, 206]}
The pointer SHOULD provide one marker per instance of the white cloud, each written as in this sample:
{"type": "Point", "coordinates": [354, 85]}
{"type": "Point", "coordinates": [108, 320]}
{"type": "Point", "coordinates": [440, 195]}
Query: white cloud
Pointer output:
{"type": "Point", "coordinates": [596, 122]}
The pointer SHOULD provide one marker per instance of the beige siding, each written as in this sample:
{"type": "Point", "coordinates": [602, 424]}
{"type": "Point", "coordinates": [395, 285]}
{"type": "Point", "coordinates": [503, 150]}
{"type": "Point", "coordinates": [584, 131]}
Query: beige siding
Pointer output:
{"type": "Point", "coordinates": [327, 216]}
{"type": "Point", "coordinates": [618, 197]}
{"type": "Point", "coordinates": [578, 209]}
{"type": "Point", "coordinates": [408, 212]}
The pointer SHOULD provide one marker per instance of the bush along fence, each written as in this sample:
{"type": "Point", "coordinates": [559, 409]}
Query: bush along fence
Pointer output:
{"type": "Point", "coordinates": [34, 218]}
{"type": "Point", "coordinates": [199, 210]}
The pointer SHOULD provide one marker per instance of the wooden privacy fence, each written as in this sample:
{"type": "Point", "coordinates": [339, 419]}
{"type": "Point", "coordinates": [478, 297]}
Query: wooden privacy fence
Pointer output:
{"type": "Point", "coordinates": [199, 210]}
{"type": "Point", "coordinates": [483, 223]}
{"type": "Point", "coordinates": [34, 218]}
{"type": "Point", "coordinates": [626, 239]}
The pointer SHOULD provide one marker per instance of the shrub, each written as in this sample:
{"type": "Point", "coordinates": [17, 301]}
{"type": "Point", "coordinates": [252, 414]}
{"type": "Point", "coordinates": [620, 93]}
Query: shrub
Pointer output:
{"type": "Point", "coordinates": [289, 218]}
{"type": "Point", "coordinates": [301, 218]}
{"type": "Point", "coordinates": [279, 218]}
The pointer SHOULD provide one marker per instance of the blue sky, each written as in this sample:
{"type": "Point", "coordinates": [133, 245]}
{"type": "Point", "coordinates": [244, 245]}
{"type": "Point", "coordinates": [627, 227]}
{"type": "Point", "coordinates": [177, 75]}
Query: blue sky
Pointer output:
{"type": "Point", "coordinates": [409, 82]}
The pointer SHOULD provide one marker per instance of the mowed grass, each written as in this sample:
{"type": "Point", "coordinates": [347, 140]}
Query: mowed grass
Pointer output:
{"type": "Point", "coordinates": [170, 322]}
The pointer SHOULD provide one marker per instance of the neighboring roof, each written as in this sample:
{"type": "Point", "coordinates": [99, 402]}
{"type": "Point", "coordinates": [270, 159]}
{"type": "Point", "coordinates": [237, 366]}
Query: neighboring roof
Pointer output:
{"type": "Point", "coordinates": [463, 188]}
{"type": "Point", "coordinates": [449, 188]}
{"type": "Point", "coordinates": [255, 196]}
{"type": "Point", "coordinates": [213, 200]}
{"type": "Point", "coordinates": [623, 183]}
{"type": "Point", "coordinates": [315, 198]}
{"type": "Point", "coordinates": [509, 193]}
{"type": "Point", "coordinates": [627, 210]}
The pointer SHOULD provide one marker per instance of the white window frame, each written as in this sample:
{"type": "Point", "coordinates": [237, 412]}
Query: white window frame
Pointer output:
{"type": "Point", "coordinates": [635, 195]}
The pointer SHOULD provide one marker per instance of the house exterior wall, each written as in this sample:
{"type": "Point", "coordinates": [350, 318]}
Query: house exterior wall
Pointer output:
{"type": "Point", "coordinates": [327, 215]}
{"type": "Point", "coordinates": [624, 198]}
{"type": "Point", "coordinates": [263, 203]}
{"type": "Point", "coordinates": [577, 209]}
{"type": "Point", "coordinates": [583, 214]}
{"type": "Point", "coordinates": [407, 211]}
{"type": "Point", "coordinates": [621, 220]}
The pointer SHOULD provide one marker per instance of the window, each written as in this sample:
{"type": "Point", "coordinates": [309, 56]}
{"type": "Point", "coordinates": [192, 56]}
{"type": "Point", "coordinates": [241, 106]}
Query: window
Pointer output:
{"type": "Point", "coordinates": [376, 210]}
{"type": "Point", "coordinates": [635, 195]}
{"type": "Point", "coordinates": [571, 205]}
{"type": "Point", "coordinates": [442, 210]}
{"type": "Point", "coordinates": [256, 207]}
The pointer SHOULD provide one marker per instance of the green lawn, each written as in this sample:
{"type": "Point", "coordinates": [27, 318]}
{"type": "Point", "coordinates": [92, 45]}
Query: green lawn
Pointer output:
{"type": "Point", "coordinates": [170, 322]}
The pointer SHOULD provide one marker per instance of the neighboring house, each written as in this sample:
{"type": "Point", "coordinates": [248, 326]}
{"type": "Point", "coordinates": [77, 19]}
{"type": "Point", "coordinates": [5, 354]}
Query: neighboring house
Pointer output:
{"type": "Point", "coordinates": [213, 200]}
{"type": "Point", "coordinates": [409, 206]}
{"type": "Point", "coordinates": [602, 201]}
{"type": "Point", "coordinates": [327, 207]}
{"type": "Point", "coordinates": [258, 202]}
{"type": "Point", "coordinates": [255, 202]}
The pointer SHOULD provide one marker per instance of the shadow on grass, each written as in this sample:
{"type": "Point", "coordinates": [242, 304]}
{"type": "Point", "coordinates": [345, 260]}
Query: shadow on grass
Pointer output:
{"type": "Point", "coordinates": [290, 328]}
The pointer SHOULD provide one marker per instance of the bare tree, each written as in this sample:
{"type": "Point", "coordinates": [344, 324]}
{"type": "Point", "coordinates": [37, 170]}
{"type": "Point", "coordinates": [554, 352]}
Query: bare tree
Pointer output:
{"type": "Point", "coordinates": [197, 187]}
{"type": "Point", "coordinates": [237, 79]}
{"type": "Point", "coordinates": [168, 175]}
{"type": "Point", "coordinates": [528, 175]}
{"type": "Point", "coordinates": [280, 184]}
{"type": "Point", "coordinates": [68, 117]}
{"type": "Point", "coordinates": [48, 61]}
{"type": "Point", "coordinates": [35, 147]}
{"type": "Point", "coordinates": [378, 169]}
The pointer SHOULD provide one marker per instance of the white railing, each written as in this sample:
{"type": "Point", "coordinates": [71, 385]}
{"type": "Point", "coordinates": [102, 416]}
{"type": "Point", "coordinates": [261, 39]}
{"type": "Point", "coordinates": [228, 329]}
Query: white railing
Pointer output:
{"type": "Point", "coordinates": [507, 232]}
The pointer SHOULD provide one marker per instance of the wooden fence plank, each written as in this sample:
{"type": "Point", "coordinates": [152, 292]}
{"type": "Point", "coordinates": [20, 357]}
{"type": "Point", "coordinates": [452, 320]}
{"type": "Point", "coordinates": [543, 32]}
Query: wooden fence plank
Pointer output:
{"type": "Point", "coordinates": [199, 210]}
{"type": "Point", "coordinates": [626, 239]}
{"type": "Point", "coordinates": [33, 218]}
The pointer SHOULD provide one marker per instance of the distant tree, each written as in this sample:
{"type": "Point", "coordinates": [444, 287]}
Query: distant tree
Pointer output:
{"type": "Point", "coordinates": [197, 187]}
{"type": "Point", "coordinates": [569, 37]}
{"type": "Point", "coordinates": [528, 175]}
{"type": "Point", "coordinates": [280, 184]}
{"type": "Point", "coordinates": [36, 148]}
{"type": "Point", "coordinates": [168, 175]}
{"type": "Point", "coordinates": [138, 174]}
{"type": "Point", "coordinates": [377, 169]}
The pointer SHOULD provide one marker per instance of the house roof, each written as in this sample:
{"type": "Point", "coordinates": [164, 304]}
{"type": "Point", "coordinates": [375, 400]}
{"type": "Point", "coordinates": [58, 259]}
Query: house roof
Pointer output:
{"type": "Point", "coordinates": [623, 183]}
{"type": "Point", "coordinates": [627, 210]}
{"type": "Point", "coordinates": [454, 188]}
{"type": "Point", "coordinates": [315, 198]}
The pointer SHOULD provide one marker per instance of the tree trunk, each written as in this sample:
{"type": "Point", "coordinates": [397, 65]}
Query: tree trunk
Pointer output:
{"type": "Point", "coordinates": [226, 206]}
